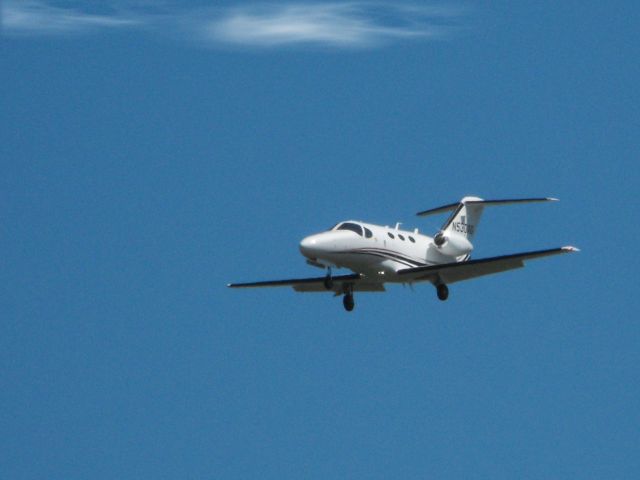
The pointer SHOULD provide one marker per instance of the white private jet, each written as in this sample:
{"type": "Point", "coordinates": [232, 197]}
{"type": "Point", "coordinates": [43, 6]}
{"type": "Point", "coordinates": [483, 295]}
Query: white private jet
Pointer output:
{"type": "Point", "coordinates": [379, 255]}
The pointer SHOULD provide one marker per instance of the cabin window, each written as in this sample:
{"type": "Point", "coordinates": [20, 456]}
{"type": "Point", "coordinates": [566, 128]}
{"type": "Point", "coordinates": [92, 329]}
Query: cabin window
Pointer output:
{"type": "Point", "coordinates": [367, 233]}
{"type": "Point", "coordinates": [411, 239]}
{"type": "Point", "coordinates": [354, 227]}
{"type": "Point", "coordinates": [401, 237]}
{"type": "Point", "coordinates": [390, 235]}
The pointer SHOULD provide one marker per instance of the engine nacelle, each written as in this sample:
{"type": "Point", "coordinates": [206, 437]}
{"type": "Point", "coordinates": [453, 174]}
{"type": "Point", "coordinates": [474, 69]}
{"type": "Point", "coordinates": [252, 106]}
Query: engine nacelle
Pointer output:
{"type": "Point", "coordinates": [452, 245]}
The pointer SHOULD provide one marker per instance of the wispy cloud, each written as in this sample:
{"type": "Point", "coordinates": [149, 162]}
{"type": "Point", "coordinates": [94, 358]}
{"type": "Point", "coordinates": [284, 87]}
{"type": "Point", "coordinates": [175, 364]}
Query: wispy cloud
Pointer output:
{"type": "Point", "coordinates": [347, 24]}
{"type": "Point", "coordinates": [39, 18]}
{"type": "Point", "coordinates": [339, 25]}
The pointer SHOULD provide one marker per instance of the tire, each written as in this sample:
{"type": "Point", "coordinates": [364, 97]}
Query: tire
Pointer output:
{"type": "Point", "coordinates": [443, 291]}
{"type": "Point", "coordinates": [348, 302]}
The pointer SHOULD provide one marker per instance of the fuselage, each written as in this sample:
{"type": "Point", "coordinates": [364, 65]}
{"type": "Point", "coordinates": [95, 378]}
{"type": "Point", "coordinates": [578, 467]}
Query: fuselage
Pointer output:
{"type": "Point", "coordinates": [372, 250]}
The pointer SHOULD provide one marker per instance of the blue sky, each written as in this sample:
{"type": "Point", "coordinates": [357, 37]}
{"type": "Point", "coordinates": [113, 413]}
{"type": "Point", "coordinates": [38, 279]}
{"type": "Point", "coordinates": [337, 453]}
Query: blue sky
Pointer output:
{"type": "Point", "coordinates": [153, 152]}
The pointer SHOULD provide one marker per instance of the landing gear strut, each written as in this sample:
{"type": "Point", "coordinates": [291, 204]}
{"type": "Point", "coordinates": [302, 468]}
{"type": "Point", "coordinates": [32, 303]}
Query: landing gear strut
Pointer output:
{"type": "Point", "coordinates": [328, 281]}
{"type": "Point", "coordinates": [443, 291]}
{"type": "Point", "coordinates": [348, 302]}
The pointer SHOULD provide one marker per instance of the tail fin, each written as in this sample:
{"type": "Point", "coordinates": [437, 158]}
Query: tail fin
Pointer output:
{"type": "Point", "coordinates": [467, 212]}
{"type": "Point", "coordinates": [465, 218]}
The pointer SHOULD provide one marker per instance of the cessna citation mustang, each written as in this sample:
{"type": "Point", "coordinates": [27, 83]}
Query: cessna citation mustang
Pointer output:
{"type": "Point", "coordinates": [379, 255]}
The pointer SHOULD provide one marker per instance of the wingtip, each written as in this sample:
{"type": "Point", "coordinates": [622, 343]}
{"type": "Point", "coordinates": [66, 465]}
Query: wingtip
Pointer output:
{"type": "Point", "coordinates": [570, 248]}
{"type": "Point", "coordinates": [552, 199]}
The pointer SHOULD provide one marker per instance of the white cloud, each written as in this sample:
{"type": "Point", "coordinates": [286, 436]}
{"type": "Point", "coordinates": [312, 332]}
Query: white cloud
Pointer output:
{"type": "Point", "coordinates": [346, 24]}
{"type": "Point", "coordinates": [34, 17]}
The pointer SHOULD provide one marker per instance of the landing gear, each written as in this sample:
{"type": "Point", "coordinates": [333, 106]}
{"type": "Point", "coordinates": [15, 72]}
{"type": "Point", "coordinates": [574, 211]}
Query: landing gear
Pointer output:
{"type": "Point", "coordinates": [328, 281]}
{"type": "Point", "coordinates": [443, 291]}
{"type": "Point", "coordinates": [348, 302]}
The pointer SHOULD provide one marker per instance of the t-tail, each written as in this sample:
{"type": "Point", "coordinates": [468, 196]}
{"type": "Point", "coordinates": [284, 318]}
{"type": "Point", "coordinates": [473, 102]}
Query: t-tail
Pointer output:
{"type": "Point", "coordinates": [456, 234]}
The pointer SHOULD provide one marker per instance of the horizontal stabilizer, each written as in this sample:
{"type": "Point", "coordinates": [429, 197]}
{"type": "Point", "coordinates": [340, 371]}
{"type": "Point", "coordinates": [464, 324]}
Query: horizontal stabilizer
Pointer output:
{"type": "Point", "coordinates": [479, 201]}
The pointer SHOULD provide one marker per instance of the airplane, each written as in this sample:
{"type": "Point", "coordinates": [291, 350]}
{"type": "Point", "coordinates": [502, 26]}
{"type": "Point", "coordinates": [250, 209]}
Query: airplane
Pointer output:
{"type": "Point", "coordinates": [378, 254]}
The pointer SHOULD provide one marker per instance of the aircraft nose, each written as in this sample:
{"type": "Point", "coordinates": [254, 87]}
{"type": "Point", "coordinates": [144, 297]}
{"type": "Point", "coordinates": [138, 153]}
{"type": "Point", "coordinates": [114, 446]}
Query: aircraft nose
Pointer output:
{"type": "Point", "coordinates": [308, 246]}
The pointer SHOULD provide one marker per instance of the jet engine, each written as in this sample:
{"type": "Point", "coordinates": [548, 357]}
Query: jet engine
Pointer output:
{"type": "Point", "coordinates": [452, 245]}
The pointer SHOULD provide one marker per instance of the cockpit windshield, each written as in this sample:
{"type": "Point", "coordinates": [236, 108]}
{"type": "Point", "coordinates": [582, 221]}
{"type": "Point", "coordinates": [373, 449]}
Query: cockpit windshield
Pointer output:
{"type": "Point", "coordinates": [354, 227]}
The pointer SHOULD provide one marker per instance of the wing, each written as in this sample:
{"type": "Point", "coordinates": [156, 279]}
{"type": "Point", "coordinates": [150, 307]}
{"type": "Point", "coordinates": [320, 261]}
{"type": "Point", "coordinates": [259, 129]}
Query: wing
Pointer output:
{"type": "Point", "coordinates": [340, 284]}
{"type": "Point", "coordinates": [456, 272]}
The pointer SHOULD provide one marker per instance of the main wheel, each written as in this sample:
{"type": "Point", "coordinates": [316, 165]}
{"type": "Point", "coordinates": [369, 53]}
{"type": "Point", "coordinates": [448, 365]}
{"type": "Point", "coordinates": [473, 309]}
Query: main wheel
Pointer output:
{"type": "Point", "coordinates": [348, 302]}
{"type": "Point", "coordinates": [443, 291]}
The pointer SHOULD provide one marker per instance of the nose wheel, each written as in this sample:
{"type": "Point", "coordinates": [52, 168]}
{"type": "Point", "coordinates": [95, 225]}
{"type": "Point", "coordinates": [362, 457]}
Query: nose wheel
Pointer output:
{"type": "Point", "coordinates": [443, 291]}
{"type": "Point", "coordinates": [348, 302]}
